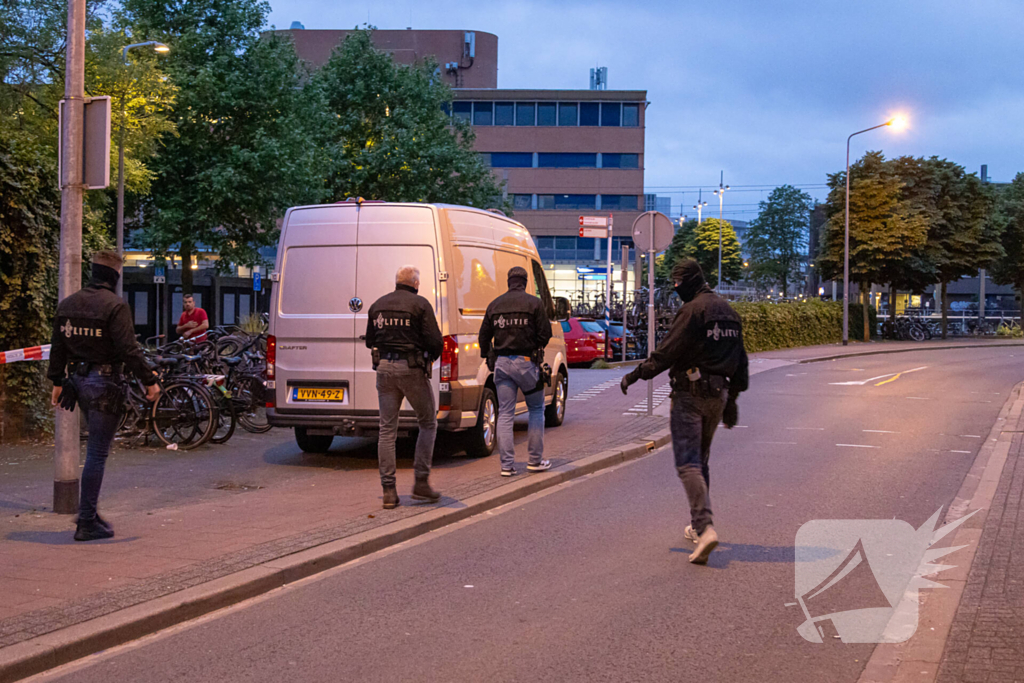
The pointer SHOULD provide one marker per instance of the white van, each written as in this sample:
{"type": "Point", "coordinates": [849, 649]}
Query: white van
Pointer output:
{"type": "Point", "coordinates": [334, 261]}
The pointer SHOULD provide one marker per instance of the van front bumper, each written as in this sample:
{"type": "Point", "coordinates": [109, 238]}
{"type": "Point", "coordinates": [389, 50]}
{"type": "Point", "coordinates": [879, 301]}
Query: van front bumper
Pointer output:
{"type": "Point", "coordinates": [355, 423]}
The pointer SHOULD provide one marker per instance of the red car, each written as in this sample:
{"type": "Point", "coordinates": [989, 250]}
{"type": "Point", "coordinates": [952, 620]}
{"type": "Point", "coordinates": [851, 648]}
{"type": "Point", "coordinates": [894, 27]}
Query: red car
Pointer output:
{"type": "Point", "coordinates": [584, 341]}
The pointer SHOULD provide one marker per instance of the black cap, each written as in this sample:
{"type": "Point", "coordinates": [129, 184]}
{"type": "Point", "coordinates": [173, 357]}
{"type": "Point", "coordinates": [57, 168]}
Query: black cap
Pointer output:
{"type": "Point", "coordinates": [690, 277]}
{"type": "Point", "coordinates": [517, 273]}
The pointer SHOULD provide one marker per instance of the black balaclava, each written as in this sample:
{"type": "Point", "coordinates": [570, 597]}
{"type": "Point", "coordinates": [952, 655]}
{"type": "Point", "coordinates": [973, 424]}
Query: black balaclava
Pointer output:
{"type": "Point", "coordinates": [517, 278]}
{"type": "Point", "coordinates": [690, 278]}
{"type": "Point", "coordinates": [104, 275]}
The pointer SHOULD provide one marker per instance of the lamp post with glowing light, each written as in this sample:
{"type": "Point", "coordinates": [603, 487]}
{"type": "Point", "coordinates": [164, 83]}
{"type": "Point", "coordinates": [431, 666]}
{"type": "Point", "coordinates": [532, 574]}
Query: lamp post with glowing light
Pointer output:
{"type": "Point", "coordinates": [699, 206]}
{"type": "Point", "coordinates": [157, 47]}
{"type": "Point", "coordinates": [896, 122]}
{"type": "Point", "coordinates": [721, 203]}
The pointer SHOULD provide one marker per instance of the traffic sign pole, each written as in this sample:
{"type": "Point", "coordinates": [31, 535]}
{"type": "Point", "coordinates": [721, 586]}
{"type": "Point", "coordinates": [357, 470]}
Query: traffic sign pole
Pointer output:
{"type": "Point", "coordinates": [651, 328]}
{"type": "Point", "coordinates": [625, 295]}
{"type": "Point", "coordinates": [608, 292]}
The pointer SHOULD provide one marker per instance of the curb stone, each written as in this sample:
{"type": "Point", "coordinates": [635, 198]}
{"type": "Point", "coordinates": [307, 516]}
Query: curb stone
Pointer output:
{"type": "Point", "coordinates": [882, 352]}
{"type": "Point", "coordinates": [81, 640]}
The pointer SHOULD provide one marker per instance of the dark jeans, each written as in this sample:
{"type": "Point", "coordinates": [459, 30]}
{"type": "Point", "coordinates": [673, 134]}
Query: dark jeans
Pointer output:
{"type": "Point", "coordinates": [92, 389]}
{"type": "Point", "coordinates": [395, 381]}
{"type": "Point", "coordinates": [693, 421]}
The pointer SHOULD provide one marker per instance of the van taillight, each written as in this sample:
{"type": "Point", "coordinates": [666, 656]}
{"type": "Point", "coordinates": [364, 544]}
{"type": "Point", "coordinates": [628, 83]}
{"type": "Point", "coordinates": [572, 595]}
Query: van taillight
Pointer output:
{"type": "Point", "coordinates": [450, 360]}
{"type": "Point", "coordinates": [271, 393]}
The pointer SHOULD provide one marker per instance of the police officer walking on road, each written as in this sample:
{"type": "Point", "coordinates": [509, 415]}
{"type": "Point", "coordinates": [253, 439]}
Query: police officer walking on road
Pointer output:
{"type": "Point", "coordinates": [706, 360]}
{"type": "Point", "coordinates": [402, 332]}
{"type": "Point", "coordinates": [93, 340]}
{"type": "Point", "coordinates": [513, 335]}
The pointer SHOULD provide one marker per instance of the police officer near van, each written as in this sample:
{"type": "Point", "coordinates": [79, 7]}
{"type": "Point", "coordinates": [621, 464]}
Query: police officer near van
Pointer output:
{"type": "Point", "coordinates": [707, 364]}
{"type": "Point", "coordinates": [513, 336]}
{"type": "Point", "coordinates": [402, 333]}
{"type": "Point", "coordinates": [93, 342]}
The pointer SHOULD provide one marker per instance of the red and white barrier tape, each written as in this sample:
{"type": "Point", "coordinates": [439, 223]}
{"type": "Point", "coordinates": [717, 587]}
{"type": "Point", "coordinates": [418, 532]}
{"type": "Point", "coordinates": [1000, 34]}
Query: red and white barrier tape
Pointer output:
{"type": "Point", "coordinates": [31, 353]}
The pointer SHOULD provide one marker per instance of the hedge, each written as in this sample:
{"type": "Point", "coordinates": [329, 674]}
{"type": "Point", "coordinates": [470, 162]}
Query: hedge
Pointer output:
{"type": "Point", "coordinates": [769, 326]}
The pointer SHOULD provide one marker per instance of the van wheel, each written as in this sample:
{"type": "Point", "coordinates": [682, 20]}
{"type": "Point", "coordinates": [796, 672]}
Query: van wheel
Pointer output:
{"type": "Point", "coordinates": [482, 439]}
{"type": "Point", "coordinates": [554, 414]}
{"type": "Point", "coordinates": [312, 443]}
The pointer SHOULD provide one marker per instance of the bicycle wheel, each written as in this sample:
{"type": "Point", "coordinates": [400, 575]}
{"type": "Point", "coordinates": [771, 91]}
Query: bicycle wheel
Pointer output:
{"type": "Point", "coordinates": [226, 417]}
{"type": "Point", "coordinates": [248, 394]}
{"type": "Point", "coordinates": [185, 415]}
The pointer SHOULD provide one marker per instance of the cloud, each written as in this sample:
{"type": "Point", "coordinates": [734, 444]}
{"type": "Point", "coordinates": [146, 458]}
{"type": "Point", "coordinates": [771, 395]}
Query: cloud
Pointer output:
{"type": "Point", "coordinates": [766, 92]}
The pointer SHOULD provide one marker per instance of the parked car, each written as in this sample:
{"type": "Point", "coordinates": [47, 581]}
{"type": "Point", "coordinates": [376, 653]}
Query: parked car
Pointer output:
{"type": "Point", "coordinates": [582, 345]}
{"type": "Point", "coordinates": [615, 339]}
{"type": "Point", "coordinates": [334, 261]}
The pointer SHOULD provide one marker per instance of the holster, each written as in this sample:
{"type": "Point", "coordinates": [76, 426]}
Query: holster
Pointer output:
{"type": "Point", "coordinates": [492, 360]}
{"type": "Point", "coordinates": [544, 376]}
{"type": "Point", "coordinates": [375, 357]}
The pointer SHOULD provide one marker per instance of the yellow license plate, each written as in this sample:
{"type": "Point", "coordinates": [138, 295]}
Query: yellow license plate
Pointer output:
{"type": "Point", "coordinates": [332, 394]}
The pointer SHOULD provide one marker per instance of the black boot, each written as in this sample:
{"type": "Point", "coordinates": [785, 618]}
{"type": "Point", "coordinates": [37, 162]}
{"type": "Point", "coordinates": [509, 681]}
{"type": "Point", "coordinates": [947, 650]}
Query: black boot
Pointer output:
{"type": "Point", "coordinates": [421, 491]}
{"type": "Point", "coordinates": [92, 530]}
{"type": "Point", "coordinates": [391, 497]}
{"type": "Point", "coordinates": [104, 523]}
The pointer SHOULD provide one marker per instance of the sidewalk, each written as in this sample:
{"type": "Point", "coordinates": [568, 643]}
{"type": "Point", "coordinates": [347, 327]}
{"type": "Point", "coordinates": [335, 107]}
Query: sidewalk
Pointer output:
{"type": "Point", "coordinates": [50, 582]}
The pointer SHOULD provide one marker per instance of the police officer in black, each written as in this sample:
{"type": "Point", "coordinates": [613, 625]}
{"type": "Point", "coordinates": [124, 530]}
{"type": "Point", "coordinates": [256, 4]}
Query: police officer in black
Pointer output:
{"type": "Point", "coordinates": [513, 335]}
{"type": "Point", "coordinates": [707, 364]}
{"type": "Point", "coordinates": [402, 332]}
{"type": "Point", "coordinates": [93, 342]}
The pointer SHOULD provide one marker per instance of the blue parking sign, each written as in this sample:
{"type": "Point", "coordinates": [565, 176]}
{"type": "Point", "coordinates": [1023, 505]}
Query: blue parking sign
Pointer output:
{"type": "Point", "coordinates": [257, 282]}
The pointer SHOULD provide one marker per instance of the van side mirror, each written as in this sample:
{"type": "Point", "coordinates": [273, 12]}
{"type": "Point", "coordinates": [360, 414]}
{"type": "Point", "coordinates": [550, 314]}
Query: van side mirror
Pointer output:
{"type": "Point", "coordinates": [562, 308]}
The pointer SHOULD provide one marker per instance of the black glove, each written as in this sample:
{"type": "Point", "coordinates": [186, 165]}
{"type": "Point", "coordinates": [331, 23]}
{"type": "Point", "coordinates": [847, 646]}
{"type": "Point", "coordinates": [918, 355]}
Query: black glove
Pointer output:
{"type": "Point", "coordinates": [68, 395]}
{"type": "Point", "coordinates": [731, 414]}
{"type": "Point", "coordinates": [627, 379]}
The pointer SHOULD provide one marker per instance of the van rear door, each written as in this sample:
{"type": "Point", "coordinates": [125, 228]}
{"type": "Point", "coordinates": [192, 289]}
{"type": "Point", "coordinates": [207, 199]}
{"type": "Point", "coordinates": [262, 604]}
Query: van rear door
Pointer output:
{"type": "Point", "coordinates": [316, 331]}
{"type": "Point", "coordinates": [391, 236]}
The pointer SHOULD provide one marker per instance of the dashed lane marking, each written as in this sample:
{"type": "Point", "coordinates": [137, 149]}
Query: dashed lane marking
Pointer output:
{"type": "Point", "coordinates": [960, 451]}
{"type": "Point", "coordinates": [595, 390]}
{"type": "Point", "coordinates": [878, 431]}
{"type": "Point", "coordinates": [855, 445]}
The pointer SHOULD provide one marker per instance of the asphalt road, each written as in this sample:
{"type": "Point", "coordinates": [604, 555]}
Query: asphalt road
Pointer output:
{"type": "Point", "coordinates": [590, 582]}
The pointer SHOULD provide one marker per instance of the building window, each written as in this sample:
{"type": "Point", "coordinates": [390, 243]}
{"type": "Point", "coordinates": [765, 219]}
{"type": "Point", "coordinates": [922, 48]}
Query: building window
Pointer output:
{"type": "Point", "coordinates": [526, 114]}
{"type": "Point", "coordinates": [620, 160]}
{"type": "Point", "coordinates": [585, 244]}
{"type": "Point", "coordinates": [620, 202]}
{"type": "Point", "coordinates": [546, 113]}
{"type": "Point", "coordinates": [511, 159]}
{"type": "Point", "coordinates": [610, 113]}
{"type": "Point", "coordinates": [561, 202]}
{"type": "Point", "coordinates": [483, 113]}
{"type": "Point", "coordinates": [567, 114]}
{"type": "Point", "coordinates": [590, 113]}
{"type": "Point", "coordinates": [522, 202]}
{"type": "Point", "coordinates": [631, 115]}
{"type": "Point", "coordinates": [141, 308]}
{"type": "Point", "coordinates": [544, 242]}
{"type": "Point", "coordinates": [566, 160]}
{"type": "Point", "coordinates": [462, 110]}
{"type": "Point", "coordinates": [504, 113]}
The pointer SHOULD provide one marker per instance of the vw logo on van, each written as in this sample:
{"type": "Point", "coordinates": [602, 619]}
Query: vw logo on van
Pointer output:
{"type": "Point", "coordinates": [355, 304]}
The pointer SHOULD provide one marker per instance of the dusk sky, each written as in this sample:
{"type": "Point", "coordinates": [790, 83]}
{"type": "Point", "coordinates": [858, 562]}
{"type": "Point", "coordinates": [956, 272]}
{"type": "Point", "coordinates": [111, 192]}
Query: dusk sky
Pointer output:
{"type": "Point", "coordinates": [765, 91]}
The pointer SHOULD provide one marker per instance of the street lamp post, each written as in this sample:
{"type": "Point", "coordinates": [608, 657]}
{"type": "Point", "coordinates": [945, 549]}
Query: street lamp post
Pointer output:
{"type": "Point", "coordinates": [721, 203]}
{"type": "Point", "coordinates": [898, 121]}
{"type": "Point", "coordinates": [157, 47]}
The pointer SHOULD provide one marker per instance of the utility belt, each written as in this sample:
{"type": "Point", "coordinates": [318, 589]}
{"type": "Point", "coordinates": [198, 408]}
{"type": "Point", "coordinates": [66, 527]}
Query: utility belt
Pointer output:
{"type": "Point", "coordinates": [701, 386]}
{"type": "Point", "coordinates": [415, 359]}
{"type": "Point", "coordinates": [83, 368]}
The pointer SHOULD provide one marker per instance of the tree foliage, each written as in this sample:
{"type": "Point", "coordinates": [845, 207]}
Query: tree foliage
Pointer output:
{"type": "Point", "coordinates": [700, 242]}
{"type": "Point", "coordinates": [241, 153]}
{"type": "Point", "coordinates": [1009, 219]}
{"type": "Point", "coordinates": [385, 133]}
{"type": "Point", "coordinates": [777, 238]}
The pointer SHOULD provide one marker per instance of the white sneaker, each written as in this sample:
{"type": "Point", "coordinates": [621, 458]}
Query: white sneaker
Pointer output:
{"type": "Point", "coordinates": [689, 534]}
{"type": "Point", "coordinates": [707, 542]}
{"type": "Point", "coordinates": [542, 466]}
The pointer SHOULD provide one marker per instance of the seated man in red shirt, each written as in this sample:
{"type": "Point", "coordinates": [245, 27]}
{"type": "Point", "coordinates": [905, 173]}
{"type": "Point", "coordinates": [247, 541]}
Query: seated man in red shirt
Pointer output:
{"type": "Point", "coordinates": [194, 322]}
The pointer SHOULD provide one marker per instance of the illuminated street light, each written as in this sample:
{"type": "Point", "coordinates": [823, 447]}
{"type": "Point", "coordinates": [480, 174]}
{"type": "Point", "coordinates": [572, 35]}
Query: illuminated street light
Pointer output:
{"type": "Point", "coordinates": [699, 206]}
{"type": "Point", "coordinates": [897, 122]}
{"type": "Point", "coordinates": [721, 199]}
{"type": "Point", "coordinates": [157, 47]}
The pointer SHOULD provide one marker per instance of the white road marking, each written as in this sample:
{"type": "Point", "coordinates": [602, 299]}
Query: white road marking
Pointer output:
{"type": "Point", "coordinates": [862, 382]}
{"type": "Point", "coordinates": [970, 436]}
{"type": "Point", "coordinates": [919, 398]}
{"type": "Point", "coordinates": [960, 452]}
{"type": "Point", "coordinates": [879, 431]}
{"type": "Point", "coordinates": [855, 445]}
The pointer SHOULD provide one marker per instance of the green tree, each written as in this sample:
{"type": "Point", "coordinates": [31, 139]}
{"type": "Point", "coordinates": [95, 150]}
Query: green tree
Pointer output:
{"type": "Point", "coordinates": [1009, 216]}
{"type": "Point", "coordinates": [777, 238]}
{"type": "Point", "coordinates": [962, 237]}
{"type": "Point", "coordinates": [385, 133]}
{"type": "Point", "coordinates": [705, 251]}
{"type": "Point", "coordinates": [242, 150]}
{"type": "Point", "coordinates": [885, 229]}
{"type": "Point", "coordinates": [682, 246]}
